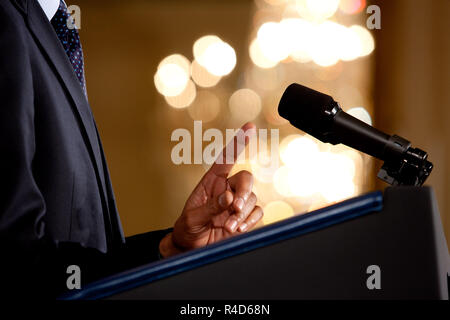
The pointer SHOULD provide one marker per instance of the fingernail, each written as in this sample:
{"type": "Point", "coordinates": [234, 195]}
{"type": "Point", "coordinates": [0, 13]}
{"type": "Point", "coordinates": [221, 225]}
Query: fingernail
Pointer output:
{"type": "Point", "coordinates": [222, 200]}
{"type": "Point", "coordinates": [243, 227]}
{"type": "Point", "coordinates": [232, 224]}
{"type": "Point", "coordinates": [239, 203]}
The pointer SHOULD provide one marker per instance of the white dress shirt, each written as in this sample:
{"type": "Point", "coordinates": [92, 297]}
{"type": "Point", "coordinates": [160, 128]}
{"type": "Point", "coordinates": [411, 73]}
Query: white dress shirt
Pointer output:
{"type": "Point", "coordinates": [49, 7]}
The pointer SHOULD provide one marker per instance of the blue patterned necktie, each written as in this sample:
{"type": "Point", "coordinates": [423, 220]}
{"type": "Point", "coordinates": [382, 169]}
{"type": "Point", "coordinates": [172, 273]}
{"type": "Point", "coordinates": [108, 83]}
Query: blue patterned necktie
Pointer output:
{"type": "Point", "coordinates": [70, 40]}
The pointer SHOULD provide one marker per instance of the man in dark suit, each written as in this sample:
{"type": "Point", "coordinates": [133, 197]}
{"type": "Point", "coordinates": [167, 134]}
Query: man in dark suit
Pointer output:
{"type": "Point", "coordinates": [57, 206]}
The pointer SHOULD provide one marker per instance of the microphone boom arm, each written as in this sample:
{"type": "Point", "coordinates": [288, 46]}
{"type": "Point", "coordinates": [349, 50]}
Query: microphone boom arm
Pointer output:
{"type": "Point", "coordinates": [403, 164]}
{"type": "Point", "coordinates": [320, 116]}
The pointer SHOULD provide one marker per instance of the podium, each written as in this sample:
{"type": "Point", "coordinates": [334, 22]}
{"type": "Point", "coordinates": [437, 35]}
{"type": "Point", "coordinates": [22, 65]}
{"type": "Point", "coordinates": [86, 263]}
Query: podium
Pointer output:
{"type": "Point", "coordinates": [331, 253]}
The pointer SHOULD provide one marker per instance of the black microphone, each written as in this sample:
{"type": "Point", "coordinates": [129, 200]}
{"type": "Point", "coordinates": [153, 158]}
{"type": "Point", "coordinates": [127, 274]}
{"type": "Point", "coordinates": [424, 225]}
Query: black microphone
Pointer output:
{"type": "Point", "coordinates": [320, 116]}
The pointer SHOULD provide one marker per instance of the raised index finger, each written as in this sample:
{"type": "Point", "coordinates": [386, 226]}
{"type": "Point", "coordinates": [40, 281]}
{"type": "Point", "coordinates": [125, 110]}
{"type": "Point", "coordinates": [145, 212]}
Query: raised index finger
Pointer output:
{"type": "Point", "coordinates": [227, 158]}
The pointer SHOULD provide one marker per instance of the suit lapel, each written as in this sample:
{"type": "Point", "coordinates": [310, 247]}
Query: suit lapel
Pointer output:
{"type": "Point", "coordinates": [45, 36]}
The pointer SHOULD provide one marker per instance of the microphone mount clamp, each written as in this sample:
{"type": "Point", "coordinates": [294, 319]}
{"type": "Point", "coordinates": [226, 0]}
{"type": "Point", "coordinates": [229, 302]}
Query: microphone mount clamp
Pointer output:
{"type": "Point", "coordinates": [412, 167]}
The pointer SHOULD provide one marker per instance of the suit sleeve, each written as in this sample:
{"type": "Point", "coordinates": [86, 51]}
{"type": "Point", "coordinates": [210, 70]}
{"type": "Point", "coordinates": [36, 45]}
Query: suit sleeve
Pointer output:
{"type": "Point", "coordinates": [31, 264]}
{"type": "Point", "coordinates": [22, 207]}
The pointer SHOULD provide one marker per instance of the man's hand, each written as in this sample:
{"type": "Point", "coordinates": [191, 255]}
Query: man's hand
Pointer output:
{"type": "Point", "coordinates": [219, 207]}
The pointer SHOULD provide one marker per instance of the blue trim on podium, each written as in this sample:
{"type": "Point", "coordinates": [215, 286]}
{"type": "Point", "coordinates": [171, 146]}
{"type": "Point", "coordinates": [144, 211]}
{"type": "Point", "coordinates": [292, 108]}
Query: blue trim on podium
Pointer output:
{"type": "Point", "coordinates": [258, 238]}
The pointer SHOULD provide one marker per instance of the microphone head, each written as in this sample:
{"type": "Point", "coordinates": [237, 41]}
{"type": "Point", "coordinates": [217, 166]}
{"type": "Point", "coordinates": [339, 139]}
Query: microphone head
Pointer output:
{"type": "Point", "coordinates": [309, 110]}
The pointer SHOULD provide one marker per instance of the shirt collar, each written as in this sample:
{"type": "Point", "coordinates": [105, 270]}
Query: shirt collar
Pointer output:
{"type": "Point", "coordinates": [49, 7]}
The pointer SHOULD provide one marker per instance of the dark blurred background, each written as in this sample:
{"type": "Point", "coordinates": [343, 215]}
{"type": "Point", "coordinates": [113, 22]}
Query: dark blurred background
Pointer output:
{"type": "Point", "coordinates": [396, 77]}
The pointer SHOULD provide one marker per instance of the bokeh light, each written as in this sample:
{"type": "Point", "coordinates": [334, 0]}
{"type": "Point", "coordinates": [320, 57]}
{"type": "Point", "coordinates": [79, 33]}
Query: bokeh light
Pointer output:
{"type": "Point", "coordinates": [258, 56]}
{"type": "Point", "coordinates": [185, 98]}
{"type": "Point", "coordinates": [285, 143]}
{"type": "Point", "coordinates": [217, 56]}
{"type": "Point", "coordinates": [350, 47]}
{"type": "Point", "coordinates": [300, 40]}
{"type": "Point", "coordinates": [202, 77]}
{"type": "Point", "coordinates": [316, 10]}
{"type": "Point", "coordinates": [354, 156]}
{"type": "Point", "coordinates": [275, 2]}
{"type": "Point", "coordinates": [352, 6]}
{"type": "Point", "coordinates": [300, 155]}
{"type": "Point", "coordinates": [361, 114]}
{"type": "Point", "coordinates": [273, 42]}
{"type": "Point", "coordinates": [205, 107]}
{"type": "Point", "coordinates": [275, 211]}
{"type": "Point", "coordinates": [339, 171]}
{"type": "Point", "coordinates": [172, 75]}
{"type": "Point", "coordinates": [281, 181]}
{"type": "Point", "coordinates": [300, 152]}
{"type": "Point", "coordinates": [366, 41]}
{"type": "Point", "coordinates": [245, 105]}
{"type": "Point", "coordinates": [264, 79]}
{"type": "Point", "coordinates": [298, 35]}
{"type": "Point", "coordinates": [303, 181]}
{"type": "Point", "coordinates": [324, 49]}
{"type": "Point", "coordinates": [263, 165]}
{"type": "Point", "coordinates": [202, 44]}
{"type": "Point", "coordinates": [309, 171]}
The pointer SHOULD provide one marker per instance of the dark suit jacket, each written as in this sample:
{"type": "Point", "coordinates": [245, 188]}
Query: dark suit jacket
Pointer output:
{"type": "Point", "coordinates": [57, 206]}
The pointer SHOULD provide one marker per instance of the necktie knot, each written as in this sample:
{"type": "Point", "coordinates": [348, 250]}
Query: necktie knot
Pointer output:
{"type": "Point", "coordinates": [70, 41]}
